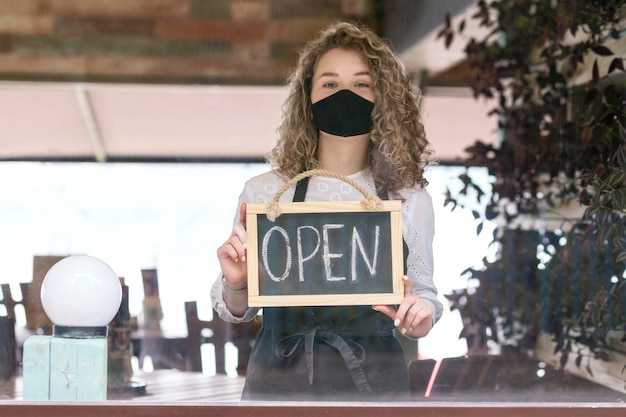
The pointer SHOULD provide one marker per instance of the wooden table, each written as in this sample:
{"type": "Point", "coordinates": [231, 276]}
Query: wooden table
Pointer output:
{"type": "Point", "coordinates": [170, 385]}
{"type": "Point", "coordinates": [187, 394]}
{"type": "Point", "coordinates": [166, 385]}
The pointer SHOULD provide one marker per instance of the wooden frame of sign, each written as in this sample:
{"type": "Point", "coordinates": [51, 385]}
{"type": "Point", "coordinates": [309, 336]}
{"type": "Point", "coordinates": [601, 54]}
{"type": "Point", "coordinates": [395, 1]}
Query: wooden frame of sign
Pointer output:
{"type": "Point", "coordinates": [324, 254]}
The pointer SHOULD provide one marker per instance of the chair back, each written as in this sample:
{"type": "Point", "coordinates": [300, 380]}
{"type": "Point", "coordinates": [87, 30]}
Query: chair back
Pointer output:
{"type": "Point", "coordinates": [9, 302]}
{"type": "Point", "coordinates": [220, 332]}
{"type": "Point", "coordinates": [197, 335]}
{"type": "Point", "coordinates": [8, 349]}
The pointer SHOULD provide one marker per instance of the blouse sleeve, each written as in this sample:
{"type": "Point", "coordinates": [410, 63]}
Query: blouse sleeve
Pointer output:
{"type": "Point", "coordinates": [220, 306]}
{"type": "Point", "coordinates": [418, 229]}
{"type": "Point", "coordinates": [216, 290]}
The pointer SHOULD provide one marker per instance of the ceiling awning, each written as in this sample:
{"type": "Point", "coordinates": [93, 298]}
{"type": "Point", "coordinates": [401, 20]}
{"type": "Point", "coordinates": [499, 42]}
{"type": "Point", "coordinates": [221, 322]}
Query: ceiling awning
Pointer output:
{"type": "Point", "coordinates": [122, 122]}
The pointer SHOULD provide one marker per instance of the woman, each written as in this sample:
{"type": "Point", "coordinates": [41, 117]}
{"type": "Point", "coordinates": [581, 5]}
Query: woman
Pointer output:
{"type": "Point", "coordinates": [352, 110]}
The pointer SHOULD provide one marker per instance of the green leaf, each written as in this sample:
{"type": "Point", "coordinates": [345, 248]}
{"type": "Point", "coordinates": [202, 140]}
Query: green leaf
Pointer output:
{"type": "Point", "coordinates": [616, 178]}
{"type": "Point", "coordinates": [603, 216]}
{"type": "Point", "coordinates": [616, 64]}
{"type": "Point", "coordinates": [618, 197]}
{"type": "Point", "coordinates": [602, 50]}
{"type": "Point", "coordinates": [449, 39]}
{"type": "Point", "coordinates": [620, 238]}
{"type": "Point", "coordinates": [446, 29]}
{"type": "Point", "coordinates": [621, 156]}
{"type": "Point", "coordinates": [595, 72]}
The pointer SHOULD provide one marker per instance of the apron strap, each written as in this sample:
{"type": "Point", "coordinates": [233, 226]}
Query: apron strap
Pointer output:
{"type": "Point", "coordinates": [352, 353]}
{"type": "Point", "coordinates": [301, 188]}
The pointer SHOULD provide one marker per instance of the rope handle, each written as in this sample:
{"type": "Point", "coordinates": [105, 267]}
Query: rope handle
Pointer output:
{"type": "Point", "coordinates": [371, 202]}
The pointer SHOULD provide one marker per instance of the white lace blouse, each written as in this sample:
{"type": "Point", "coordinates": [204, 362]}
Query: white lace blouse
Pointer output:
{"type": "Point", "coordinates": [417, 228]}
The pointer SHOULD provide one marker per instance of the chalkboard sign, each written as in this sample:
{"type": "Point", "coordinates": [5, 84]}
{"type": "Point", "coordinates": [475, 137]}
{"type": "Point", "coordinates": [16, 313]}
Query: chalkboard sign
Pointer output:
{"type": "Point", "coordinates": [324, 253]}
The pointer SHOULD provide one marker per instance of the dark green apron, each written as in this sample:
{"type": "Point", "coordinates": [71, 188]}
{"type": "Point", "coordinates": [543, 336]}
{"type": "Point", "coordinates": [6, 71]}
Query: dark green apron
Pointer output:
{"type": "Point", "coordinates": [326, 353]}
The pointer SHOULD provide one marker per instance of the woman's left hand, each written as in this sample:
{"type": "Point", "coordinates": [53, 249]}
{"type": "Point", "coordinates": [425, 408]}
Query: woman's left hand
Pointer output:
{"type": "Point", "coordinates": [413, 317]}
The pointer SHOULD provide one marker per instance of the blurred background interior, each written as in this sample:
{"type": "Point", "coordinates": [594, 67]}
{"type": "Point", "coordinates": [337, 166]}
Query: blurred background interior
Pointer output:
{"type": "Point", "coordinates": [127, 129]}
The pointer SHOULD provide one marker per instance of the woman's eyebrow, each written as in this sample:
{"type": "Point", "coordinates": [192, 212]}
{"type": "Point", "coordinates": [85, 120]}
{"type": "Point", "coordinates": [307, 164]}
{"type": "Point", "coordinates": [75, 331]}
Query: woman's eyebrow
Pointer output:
{"type": "Point", "coordinates": [334, 74]}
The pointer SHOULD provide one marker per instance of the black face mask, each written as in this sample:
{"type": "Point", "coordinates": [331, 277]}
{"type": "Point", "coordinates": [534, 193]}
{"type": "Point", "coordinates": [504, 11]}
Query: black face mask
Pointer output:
{"type": "Point", "coordinates": [343, 114]}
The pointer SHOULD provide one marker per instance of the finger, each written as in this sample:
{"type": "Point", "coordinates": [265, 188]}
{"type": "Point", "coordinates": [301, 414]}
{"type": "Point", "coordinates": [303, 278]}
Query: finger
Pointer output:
{"type": "Point", "coordinates": [407, 285]}
{"type": "Point", "coordinates": [421, 321]}
{"type": "Point", "coordinates": [242, 215]}
{"type": "Point", "coordinates": [238, 241]}
{"type": "Point", "coordinates": [389, 311]}
{"type": "Point", "coordinates": [239, 232]}
{"type": "Point", "coordinates": [402, 319]}
{"type": "Point", "coordinates": [228, 251]}
{"type": "Point", "coordinates": [413, 317]}
{"type": "Point", "coordinates": [404, 305]}
{"type": "Point", "coordinates": [392, 312]}
{"type": "Point", "coordinates": [420, 315]}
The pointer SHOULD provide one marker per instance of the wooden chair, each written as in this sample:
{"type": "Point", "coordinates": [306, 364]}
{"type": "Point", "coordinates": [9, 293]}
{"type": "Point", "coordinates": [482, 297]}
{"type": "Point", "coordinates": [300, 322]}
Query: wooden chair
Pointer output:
{"type": "Point", "coordinates": [217, 332]}
{"type": "Point", "coordinates": [420, 372]}
{"type": "Point", "coordinates": [37, 321]}
{"type": "Point", "coordinates": [9, 302]}
{"type": "Point", "coordinates": [12, 340]}
{"type": "Point", "coordinates": [8, 348]}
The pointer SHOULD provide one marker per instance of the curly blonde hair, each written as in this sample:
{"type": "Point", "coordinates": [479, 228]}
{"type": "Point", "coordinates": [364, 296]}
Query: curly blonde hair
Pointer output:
{"type": "Point", "coordinates": [399, 150]}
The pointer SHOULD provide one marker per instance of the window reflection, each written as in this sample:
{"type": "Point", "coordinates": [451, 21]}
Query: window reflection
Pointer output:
{"type": "Point", "coordinates": [134, 216]}
{"type": "Point", "coordinates": [172, 217]}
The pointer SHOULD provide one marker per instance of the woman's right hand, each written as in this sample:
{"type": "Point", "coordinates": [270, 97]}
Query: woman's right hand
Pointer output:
{"type": "Point", "coordinates": [232, 254]}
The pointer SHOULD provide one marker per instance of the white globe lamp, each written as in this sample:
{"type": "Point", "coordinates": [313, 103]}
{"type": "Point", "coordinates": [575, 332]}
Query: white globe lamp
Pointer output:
{"type": "Point", "coordinates": [81, 295]}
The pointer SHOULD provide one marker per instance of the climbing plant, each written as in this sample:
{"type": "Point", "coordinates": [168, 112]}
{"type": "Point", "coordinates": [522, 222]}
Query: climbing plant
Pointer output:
{"type": "Point", "coordinates": [555, 71]}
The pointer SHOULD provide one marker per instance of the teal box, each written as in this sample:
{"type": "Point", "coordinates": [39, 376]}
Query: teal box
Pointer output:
{"type": "Point", "coordinates": [36, 368]}
{"type": "Point", "coordinates": [76, 370]}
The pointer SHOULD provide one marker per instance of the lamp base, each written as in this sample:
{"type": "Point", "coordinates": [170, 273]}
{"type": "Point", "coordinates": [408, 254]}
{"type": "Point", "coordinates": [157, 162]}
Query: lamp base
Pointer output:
{"type": "Point", "coordinates": [79, 332]}
{"type": "Point", "coordinates": [65, 369]}
{"type": "Point", "coordinates": [131, 388]}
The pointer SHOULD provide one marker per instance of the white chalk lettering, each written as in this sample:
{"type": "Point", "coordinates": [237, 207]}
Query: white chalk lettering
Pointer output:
{"type": "Point", "coordinates": [302, 259]}
{"type": "Point", "coordinates": [327, 256]}
{"type": "Point", "coordinates": [266, 240]}
{"type": "Point", "coordinates": [334, 252]}
{"type": "Point", "coordinates": [357, 242]}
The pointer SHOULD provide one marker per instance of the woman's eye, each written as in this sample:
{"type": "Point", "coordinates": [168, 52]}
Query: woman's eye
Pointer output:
{"type": "Point", "coordinates": [362, 84]}
{"type": "Point", "coordinates": [330, 85]}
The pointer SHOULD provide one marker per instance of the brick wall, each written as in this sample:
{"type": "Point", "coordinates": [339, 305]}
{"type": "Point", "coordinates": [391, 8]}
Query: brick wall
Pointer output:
{"type": "Point", "coordinates": [171, 41]}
